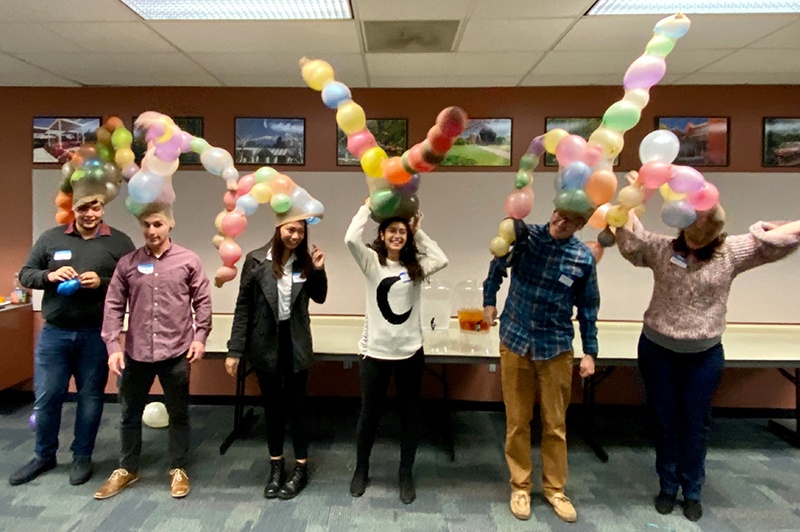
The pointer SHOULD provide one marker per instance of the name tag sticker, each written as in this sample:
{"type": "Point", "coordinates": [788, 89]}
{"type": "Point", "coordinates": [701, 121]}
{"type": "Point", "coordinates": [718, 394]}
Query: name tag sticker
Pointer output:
{"type": "Point", "coordinates": [565, 280]}
{"type": "Point", "coordinates": [146, 269]}
{"type": "Point", "coordinates": [679, 261]}
{"type": "Point", "coordinates": [296, 277]}
{"type": "Point", "coordinates": [404, 277]}
{"type": "Point", "coordinates": [63, 254]}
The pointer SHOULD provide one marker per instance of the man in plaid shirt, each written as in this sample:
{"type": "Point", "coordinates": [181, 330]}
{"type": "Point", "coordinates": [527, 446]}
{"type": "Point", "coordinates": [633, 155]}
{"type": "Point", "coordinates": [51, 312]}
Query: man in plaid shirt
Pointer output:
{"type": "Point", "coordinates": [552, 271]}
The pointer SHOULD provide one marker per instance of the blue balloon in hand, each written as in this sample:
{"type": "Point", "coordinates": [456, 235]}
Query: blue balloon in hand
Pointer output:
{"type": "Point", "coordinates": [67, 288]}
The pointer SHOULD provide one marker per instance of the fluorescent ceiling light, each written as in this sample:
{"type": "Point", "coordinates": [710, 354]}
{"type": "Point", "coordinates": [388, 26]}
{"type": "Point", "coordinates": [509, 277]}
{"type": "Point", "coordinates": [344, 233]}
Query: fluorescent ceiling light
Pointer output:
{"type": "Point", "coordinates": [240, 9]}
{"type": "Point", "coordinates": [667, 7]}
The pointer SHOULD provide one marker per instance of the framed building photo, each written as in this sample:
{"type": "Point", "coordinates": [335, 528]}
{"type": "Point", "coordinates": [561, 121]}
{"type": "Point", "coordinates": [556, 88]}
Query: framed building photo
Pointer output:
{"type": "Point", "coordinates": [190, 124]}
{"type": "Point", "coordinates": [582, 127]}
{"type": "Point", "coordinates": [391, 134]}
{"type": "Point", "coordinates": [704, 140]}
{"type": "Point", "coordinates": [55, 138]}
{"type": "Point", "coordinates": [485, 142]}
{"type": "Point", "coordinates": [271, 141]}
{"type": "Point", "coordinates": [781, 142]}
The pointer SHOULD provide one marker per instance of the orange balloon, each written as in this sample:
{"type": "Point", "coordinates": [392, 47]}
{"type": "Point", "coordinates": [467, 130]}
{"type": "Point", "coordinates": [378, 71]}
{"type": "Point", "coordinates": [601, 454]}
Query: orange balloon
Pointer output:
{"type": "Point", "coordinates": [598, 219]}
{"type": "Point", "coordinates": [64, 216]}
{"type": "Point", "coordinates": [394, 171]}
{"type": "Point", "coordinates": [113, 123]}
{"type": "Point", "coordinates": [281, 184]}
{"type": "Point", "coordinates": [64, 201]}
{"type": "Point", "coordinates": [600, 186]}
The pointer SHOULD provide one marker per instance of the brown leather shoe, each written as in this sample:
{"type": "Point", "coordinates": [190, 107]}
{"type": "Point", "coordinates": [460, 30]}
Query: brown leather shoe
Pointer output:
{"type": "Point", "coordinates": [179, 482]}
{"type": "Point", "coordinates": [563, 507]}
{"type": "Point", "coordinates": [118, 481]}
{"type": "Point", "coordinates": [521, 504]}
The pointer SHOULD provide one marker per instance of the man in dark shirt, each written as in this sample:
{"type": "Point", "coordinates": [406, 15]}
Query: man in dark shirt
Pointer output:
{"type": "Point", "coordinates": [86, 250]}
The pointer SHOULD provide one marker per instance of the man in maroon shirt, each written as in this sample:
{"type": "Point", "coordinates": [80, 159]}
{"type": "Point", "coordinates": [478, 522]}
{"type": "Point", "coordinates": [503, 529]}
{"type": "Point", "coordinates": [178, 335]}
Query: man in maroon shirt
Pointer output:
{"type": "Point", "coordinates": [162, 282]}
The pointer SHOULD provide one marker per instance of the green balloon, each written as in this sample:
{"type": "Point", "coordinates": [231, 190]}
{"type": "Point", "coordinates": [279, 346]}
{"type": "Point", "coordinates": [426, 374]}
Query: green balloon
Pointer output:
{"type": "Point", "coordinates": [281, 203]}
{"type": "Point", "coordinates": [134, 207]}
{"type": "Point", "coordinates": [199, 145]}
{"type": "Point", "coordinates": [622, 116]}
{"type": "Point", "coordinates": [104, 153]}
{"type": "Point", "coordinates": [77, 175]}
{"type": "Point", "coordinates": [265, 174]}
{"type": "Point", "coordinates": [384, 202]}
{"type": "Point", "coordinates": [528, 162]}
{"type": "Point", "coordinates": [659, 46]}
{"type": "Point", "coordinates": [121, 138]}
{"type": "Point", "coordinates": [523, 179]}
{"type": "Point", "coordinates": [574, 200]}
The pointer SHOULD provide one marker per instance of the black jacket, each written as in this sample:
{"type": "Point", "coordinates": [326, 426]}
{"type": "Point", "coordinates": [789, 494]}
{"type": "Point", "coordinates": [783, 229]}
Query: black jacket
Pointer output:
{"type": "Point", "coordinates": [254, 333]}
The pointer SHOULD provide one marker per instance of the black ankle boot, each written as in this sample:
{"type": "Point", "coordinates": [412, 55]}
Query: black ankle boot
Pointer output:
{"type": "Point", "coordinates": [360, 480]}
{"type": "Point", "coordinates": [295, 485]}
{"type": "Point", "coordinates": [692, 509]}
{"type": "Point", "coordinates": [664, 503]}
{"type": "Point", "coordinates": [276, 479]}
{"type": "Point", "coordinates": [407, 491]}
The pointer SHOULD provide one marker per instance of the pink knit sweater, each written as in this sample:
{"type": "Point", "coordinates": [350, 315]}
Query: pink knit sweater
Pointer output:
{"type": "Point", "coordinates": [691, 303]}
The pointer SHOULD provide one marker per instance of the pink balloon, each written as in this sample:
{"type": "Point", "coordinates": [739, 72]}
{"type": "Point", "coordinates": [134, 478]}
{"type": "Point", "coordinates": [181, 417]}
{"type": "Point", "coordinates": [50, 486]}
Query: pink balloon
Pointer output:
{"type": "Point", "coordinates": [654, 174]}
{"type": "Point", "coordinates": [685, 179]}
{"type": "Point", "coordinates": [230, 252]}
{"type": "Point", "coordinates": [593, 155]}
{"type": "Point", "coordinates": [519, 203]}
{"type": "Point", "coordinates": [245, 184]}
{"type": "Point", "coordinates": [186, 142]}
{"type": "Point", "coordinates": [229, 199]}
{"type": "Point", "coordinates": [224, 274]}
{"type": "Point", "coordinates": [645, 72]}
{"type": "Point", "coordinates": [233, 223]}
{"type": "Point", "coordinates": [570, 149]}
{"type": "Point", "coordinates": [129, 171]}
{"type": "Point", "coordinates": [359, 142]}
{"type": "Point", "coordinates": [705, 198]}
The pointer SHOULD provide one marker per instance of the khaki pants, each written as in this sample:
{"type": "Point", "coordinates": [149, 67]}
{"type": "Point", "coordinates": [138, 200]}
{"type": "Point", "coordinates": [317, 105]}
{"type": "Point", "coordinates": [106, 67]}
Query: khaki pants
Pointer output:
{"type": "Point", "coordinates": [521, 378]}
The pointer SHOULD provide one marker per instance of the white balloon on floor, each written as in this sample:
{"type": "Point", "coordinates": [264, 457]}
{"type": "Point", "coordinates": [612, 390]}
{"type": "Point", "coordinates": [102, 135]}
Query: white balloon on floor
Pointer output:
{"type": "Point", "coordinates": [155, 415]}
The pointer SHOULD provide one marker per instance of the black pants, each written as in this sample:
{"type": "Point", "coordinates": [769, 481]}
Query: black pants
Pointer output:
{"type": "Point", "coordinates": [375, 376]}
{"type": "Point", "coordinates": [284, 393]}
{"type": "Point", "coordinates": [134, 387]}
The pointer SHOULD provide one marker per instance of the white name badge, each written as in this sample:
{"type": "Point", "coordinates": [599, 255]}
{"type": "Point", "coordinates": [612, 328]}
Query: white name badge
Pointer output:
{"type": "Point", "coordinates": [296, 277]}
{"type": "Point", "coordinates": [404, 277]}
{"type": "Point", "coordinates": [679, 261]}
{"type": "Point", "coordinates": [63, 254]}
{"type": "Point", "coordinates": [565, 280]}
{"type": "Point", "coordinates": [146, 269]}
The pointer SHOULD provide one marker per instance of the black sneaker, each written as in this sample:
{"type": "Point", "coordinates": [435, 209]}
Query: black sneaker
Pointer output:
{"type": "Point", "coordinates": [692, 509]}
{"type": "Point", "coordinates": [82, 470]}
{"type": "Point", "coordinates": [407, 491]}
{"type": "Point", "coordinates": [664, 503]}
{"type": "Point", "coordinates": [31, 470]}
{"type": "Point", "coordinates": [360, 481]}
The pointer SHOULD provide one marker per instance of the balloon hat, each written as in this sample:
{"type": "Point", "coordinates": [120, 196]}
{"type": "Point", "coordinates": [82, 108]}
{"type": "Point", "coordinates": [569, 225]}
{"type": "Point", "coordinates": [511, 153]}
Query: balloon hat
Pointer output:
{"type": "Point", "coordinates": [586, 183]}
{"type": "Point", "coordinates": [392, 181]}
{"type": "Point", "coordinates": [290, 202]}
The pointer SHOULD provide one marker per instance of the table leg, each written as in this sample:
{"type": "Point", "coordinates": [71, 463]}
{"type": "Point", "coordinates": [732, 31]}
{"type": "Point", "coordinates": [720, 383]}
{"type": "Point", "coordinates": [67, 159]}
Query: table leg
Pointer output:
{"type": "Point", "coordinates": [782, 431]}
{"type": "Point", "coordinates": [587, 423]}
{"type": "Point", "coordinates": [242, 420]}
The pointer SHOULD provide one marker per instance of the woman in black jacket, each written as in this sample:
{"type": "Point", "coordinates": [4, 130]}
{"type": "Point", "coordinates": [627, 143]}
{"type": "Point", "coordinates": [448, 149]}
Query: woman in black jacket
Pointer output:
{"type": "Point", "coordinates": [271, 327]}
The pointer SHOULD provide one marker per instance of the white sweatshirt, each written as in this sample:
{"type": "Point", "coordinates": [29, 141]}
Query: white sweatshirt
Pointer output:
{"type": "Point", "coordinates": [392, 328]}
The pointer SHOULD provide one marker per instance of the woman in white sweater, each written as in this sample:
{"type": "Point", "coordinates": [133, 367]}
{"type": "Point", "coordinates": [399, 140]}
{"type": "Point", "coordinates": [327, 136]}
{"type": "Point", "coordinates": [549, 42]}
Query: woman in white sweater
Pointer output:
{"type": "Point", "coordinates": [394, 265]}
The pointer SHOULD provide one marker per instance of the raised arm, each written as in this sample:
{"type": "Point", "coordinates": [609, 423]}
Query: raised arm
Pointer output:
{"type": "Point", "coordinates": [767, 242]}
{"type": "Point", "coordinates": [635, 242]}
{"type": "Point", "coordinates": [432, 258]}
{"type": "Point", "coordinates": [354, 238]}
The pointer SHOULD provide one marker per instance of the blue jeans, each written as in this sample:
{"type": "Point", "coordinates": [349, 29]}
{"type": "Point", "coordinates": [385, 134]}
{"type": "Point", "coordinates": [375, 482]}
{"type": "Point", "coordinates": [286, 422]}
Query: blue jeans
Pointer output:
{"type": "Point", "coordinates": [60, 354]}
{"type": "Point", "coordinates": [679, 389]}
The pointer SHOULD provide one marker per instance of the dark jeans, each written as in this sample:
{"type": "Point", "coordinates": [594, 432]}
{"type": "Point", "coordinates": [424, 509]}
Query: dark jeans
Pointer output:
{"type": "Point", "coordinates": [284, 393]}
{"type": "Point", "coordinates": [60, 354]}
{"type": "Point", "coordinates": [679, 389]}
{"type": "Point", "coordinates": [375, 376]}
{"type": "Point", "coordinates": [134, 387]}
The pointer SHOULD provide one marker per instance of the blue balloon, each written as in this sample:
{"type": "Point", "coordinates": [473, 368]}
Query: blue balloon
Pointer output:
{"type": "Point", "coordinates": [145, 186]}
{"type": "Point", "coordinates": [575, 175]}
{"type": "Point", "coordinates": [67, 288]}
{"type": "Point", "coordinates": [678, 214]}
{"type": "Point", "coordinates": [247, 203]}
{"type": "Point", "coordinates": [334, 94]}
{"type": "Point", "coordinates": [313, 220]}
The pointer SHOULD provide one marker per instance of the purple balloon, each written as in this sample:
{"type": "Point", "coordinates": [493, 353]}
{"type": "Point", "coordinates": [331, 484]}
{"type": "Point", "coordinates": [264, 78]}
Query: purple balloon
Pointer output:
{"type": "Point", "coordinates": [685, 179]}
{"type": "Point", "coordinates": [410, 187]}
{"type": "Point", "coordinates": [536, 146]}
{"type": "Point", "coordinates": [645, 72]}
{"type": "Point", "coordinates": [32, 422]}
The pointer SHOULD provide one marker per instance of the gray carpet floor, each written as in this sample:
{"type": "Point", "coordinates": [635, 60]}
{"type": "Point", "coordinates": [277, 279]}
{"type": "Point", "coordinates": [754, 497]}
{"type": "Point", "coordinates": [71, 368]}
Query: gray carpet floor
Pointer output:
{"type": "Point", "coordinates": [753, 479]}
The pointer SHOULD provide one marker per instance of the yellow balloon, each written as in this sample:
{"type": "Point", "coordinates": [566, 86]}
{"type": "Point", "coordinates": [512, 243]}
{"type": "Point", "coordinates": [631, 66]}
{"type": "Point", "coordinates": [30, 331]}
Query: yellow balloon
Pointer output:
{"type": "Point", "coordinates": [372, 160]}
{"type": "Point", "coordinates": [218, 219]}
{"type": "Point", "coordinates": [630, 197]}
{"type": "Point", "coordinates": [670, 195]}
{"type": "Point", "coordinates": [217, 240]}
{"type": "Point", "coordinates": [617, 216]}
{"type": "Point", "coordinates": [638, 97]}
{"type": "Point", "coordinates": [499, 247]}
{"type": "Point", "coordinates": [317, 74]}
{"type": "Point", "coordinates": [506, 231]}
{"type": "Point", "coordinates": [552, 138]}
{"type": "Point", "coordinates": [123, 157]}
{"type": "Point", "coordinates": [351, 118]}
{"type": "Point", "coordinates": [261, 192]}
{"type": "Point", "coordinates": [610, 141]}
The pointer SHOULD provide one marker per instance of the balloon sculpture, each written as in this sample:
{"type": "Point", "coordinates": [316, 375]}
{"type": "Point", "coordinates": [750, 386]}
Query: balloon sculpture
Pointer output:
{"type": "Point", "coordinates": [392, 181]}
{"type": "Point", "coordinates": [265, 185]}
{"type": "Point", "coordinates": [585, 180]}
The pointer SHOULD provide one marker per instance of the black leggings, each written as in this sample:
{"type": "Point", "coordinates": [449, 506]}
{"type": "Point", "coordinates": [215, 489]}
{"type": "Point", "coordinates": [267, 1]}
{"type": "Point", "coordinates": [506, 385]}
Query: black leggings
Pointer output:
{"type": "Point", "coordinates": [375, 376]}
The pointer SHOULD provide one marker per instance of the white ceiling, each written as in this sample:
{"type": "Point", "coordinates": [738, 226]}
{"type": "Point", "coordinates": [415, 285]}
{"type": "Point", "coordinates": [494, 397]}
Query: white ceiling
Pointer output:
{"type": "Point", "coordinates": [506, 43]}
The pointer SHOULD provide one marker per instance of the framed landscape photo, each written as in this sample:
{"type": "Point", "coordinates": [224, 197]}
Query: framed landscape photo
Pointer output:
{"type": "Point", "coordinates": [190, 124]}
{"type": "Point", "coordinates": [581, 126]}
{"type": "Point", "coordinates": [485, 142]}
{"type": "Point", "coordinates": [55, 138]}
{"type": "Point", "coordinates": [271, 141]}
{"type": "Point", "coordinates": [704, 140]}
{"type": "Point", "coordinates": [391, 134]}
{"type": "Point", "coordinates": [781, 142]}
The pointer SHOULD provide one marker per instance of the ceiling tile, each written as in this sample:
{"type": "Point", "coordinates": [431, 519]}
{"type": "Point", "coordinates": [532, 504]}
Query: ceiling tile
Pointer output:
{"type": "Point", "coordinates": [760, 61]}
{"type": "Point", "coordinates": [111, 36]}
{"type": "Point", "coordinates": [778, 78]}
{"type": "Point", "coordinates": [516, 9]}
{"type": "Point", "coordinates": [497, 64]}
{"type": "Point", "coordinates": [483, 35]}
{"type": "Point", "coordinates": [65, 10]}
{"type": "Point", "coordinates": [409, 65]}
{"type": "Point", "coordinates": [412, 9]}
{"type": "Point", "coordinates": [444, 81]}
{"type": "Point", "coordinates": [612, 32]}
{"type": "Point", "coordinates": [731, 31]}
{"type": "Point", "coordinates": [712, 78]}
{"type": "Point", "coordinates": [25, 75]}
{"type": "Point", "coordinates": [684, 60]}
{"type": "Point", "coordinates": [250, 65]}
{"type": "Point", "coordinates": [786, 37]}
{"type": "Point", "coordinates": [559, 80]}
{"type": "Point", "coordinates": [32, 37]}
{"type": "Point", "coordinates": [568, 63]}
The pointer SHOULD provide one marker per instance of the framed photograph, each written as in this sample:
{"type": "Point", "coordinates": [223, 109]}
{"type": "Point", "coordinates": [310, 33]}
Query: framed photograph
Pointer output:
{"type": "Point", "coordinates": [190, 124]}
{"type": "Point", "coordinates": [575, 126]}
{"type": "Point", "coordinates": [55, 138]}
{"type": "Point", "coordinates": [271, 141]}
{"type": "Point", "coordinates": [485, 142]}
{"type": "Point", "coordinates": [781, 142]}
{"type": "Point", "coordinates": [391, 134]}
{"type": "Point", "coordinates": [704, 140]}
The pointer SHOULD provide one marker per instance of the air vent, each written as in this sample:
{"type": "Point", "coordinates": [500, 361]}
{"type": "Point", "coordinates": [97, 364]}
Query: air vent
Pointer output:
{"type": "Point", "coordinates": [410, 36]}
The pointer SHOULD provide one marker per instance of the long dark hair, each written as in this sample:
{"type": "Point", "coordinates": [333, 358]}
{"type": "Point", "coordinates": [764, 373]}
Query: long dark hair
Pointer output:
{"type": "Point", "coordinates": [702, 254]}
{"type": "Point", "coordinates": [409, 256]}
{"type": "Point", "coordinates": [301, 254]}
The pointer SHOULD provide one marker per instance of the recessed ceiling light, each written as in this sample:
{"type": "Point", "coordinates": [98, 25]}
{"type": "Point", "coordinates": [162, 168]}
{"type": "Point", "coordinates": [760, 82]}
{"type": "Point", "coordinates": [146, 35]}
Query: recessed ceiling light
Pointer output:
{"type": "Point", "coordinates": [666, 7]}
{"type": "Point", "coordinates": [240, 9]}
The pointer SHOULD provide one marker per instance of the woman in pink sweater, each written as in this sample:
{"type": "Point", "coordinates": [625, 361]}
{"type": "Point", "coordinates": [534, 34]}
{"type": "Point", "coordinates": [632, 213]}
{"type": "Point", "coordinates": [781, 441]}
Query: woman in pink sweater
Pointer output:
{"type": "Point", "coordinates": [680, 348]}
